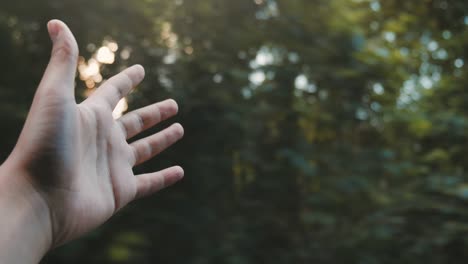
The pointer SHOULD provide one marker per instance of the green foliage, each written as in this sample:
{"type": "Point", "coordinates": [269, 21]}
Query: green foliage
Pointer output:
{"type": "Point", "coordinates": [316, 131]}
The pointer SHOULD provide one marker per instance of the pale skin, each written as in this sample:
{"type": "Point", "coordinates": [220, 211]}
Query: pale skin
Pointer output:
{"type": "Point", "coordinates": [71, 169]}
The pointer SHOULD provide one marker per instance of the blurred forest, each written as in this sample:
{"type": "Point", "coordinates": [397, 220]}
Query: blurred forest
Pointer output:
{"type": "Point", "coordinates": [317, 131]}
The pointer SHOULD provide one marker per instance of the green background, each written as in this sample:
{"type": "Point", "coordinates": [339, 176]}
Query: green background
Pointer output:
{"type": "Point", "coordinates": [317, 131]}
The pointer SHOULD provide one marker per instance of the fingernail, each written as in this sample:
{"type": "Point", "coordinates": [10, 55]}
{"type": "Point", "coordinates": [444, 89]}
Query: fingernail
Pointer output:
{"type": "Point", "coordinates": [54, 29]}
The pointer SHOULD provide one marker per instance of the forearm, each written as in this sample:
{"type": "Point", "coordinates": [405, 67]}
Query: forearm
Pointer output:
{"type": "Point", "coordinates": [25, 229]}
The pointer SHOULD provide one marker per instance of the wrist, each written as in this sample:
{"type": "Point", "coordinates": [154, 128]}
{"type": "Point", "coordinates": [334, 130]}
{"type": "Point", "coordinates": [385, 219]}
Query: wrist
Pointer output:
{"type": "Point", "coordinates": [25, 225]}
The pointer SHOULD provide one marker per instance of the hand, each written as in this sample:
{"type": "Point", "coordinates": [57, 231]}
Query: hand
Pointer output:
{"type": "Point", "coordinates": [75, 157]}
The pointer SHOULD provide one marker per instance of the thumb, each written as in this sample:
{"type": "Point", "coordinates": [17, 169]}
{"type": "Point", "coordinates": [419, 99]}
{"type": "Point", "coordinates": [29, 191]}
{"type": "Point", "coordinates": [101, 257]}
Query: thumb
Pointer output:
{"type": "Point", "coordinates": [63, 62]}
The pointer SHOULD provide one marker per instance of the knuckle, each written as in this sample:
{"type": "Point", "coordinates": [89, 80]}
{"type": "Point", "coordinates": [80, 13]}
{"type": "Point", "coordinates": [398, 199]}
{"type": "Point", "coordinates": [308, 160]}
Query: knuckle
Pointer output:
{"type": "Point", "coordinates": [127, 79]}
{"type": "Point", "coordinates": [118, 91]}
{"type": "Point", "coordinates": [156, 116]}
{"type": "Point", "coordinates": [67, 49]}
{"type": "Point", "coordinates": [132, 155]}
{"type": "Point", "coordinates": [135, 157]}
{"type": "Point", "coordinates": [140, 122]}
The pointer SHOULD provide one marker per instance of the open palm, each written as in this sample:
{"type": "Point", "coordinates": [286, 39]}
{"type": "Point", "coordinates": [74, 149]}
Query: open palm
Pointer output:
{"type": "Point", "coordinates": [76, 156]}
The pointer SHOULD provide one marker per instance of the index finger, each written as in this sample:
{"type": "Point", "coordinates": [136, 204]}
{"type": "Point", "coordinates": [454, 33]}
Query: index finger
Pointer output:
{"type": "Point", "coordinates": [119, 85]}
